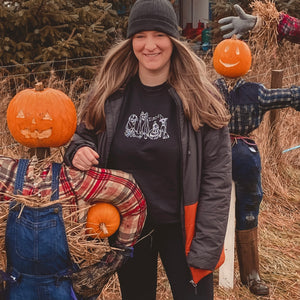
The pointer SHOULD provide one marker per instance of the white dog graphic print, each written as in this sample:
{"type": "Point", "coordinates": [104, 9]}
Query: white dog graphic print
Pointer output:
{"type": "Point", "coordinates": [146, 127]}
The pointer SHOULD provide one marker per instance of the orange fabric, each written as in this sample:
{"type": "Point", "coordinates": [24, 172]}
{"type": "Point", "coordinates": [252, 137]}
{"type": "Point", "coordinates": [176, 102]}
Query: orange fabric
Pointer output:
{"type": "Point", "coordinates": [198, 274]}
{"type": "Point", "coordinates": [190, 220]}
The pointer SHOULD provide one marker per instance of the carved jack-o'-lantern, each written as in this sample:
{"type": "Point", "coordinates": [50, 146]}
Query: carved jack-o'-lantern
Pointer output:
{"type": "Point", "coordinates": [41, 117]}
{"type": "Point", "coordinates": [232, 58]}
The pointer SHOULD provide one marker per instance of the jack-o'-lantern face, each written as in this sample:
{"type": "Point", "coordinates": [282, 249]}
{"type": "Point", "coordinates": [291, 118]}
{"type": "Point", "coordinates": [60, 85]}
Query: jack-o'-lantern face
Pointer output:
{"type": "Point", "coordinates": [36, 127]}
{"type": "Point", "coordinates": [41, 118]}
{"type": "Point", "coordinates": [232, 58]}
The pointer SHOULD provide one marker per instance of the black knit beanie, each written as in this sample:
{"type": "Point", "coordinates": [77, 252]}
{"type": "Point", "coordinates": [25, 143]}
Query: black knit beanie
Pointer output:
{"type": "Point", "coordinates": [152, 15]}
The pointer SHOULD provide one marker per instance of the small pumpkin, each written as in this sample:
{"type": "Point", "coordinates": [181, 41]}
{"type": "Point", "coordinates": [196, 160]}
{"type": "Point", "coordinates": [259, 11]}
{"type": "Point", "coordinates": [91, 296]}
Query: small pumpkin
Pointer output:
{"type": "Point", "coordinates": [103, 220]}
{"type": "Point", "coordinates": [41, 117]}
{"type": "Point", "coordinates": [232, 58]}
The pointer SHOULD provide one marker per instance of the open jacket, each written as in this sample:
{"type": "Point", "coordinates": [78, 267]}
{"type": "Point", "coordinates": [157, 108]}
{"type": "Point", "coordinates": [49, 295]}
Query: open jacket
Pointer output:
{"type": "Point", "coordinates": [205, 178]}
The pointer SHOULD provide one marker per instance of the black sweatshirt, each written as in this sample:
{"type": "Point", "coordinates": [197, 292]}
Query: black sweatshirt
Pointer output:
{"type": "Point", "coordinates": [146, 145]}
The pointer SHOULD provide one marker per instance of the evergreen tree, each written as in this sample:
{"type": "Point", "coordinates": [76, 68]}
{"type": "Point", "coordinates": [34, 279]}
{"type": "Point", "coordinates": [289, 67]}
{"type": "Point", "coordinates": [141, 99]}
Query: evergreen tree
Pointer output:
{"type": "Point", "coordinates": [40, 35]}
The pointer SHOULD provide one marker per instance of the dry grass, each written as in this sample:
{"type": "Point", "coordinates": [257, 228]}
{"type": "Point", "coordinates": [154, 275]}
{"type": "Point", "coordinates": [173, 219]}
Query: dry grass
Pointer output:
{"type": "Point", "coordinates": [269, 17]}
{"type": "Point", "coordinates": [279, 224]}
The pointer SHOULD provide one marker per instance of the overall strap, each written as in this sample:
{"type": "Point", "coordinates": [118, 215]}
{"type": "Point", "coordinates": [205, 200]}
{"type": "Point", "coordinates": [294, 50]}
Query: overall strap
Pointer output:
{"type": "Point", "coordinates": [21, 172]}
{"type": "Point", "coordinates": [55, 181]}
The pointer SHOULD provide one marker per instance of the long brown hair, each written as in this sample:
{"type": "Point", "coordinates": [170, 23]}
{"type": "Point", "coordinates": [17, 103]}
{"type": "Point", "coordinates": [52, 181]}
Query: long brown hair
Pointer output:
{"type": "Point", "coordinates": [201, 101]}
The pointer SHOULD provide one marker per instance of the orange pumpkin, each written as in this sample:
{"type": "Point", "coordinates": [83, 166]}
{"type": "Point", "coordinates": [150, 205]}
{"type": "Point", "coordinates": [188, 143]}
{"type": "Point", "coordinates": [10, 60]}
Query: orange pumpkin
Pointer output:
{"type": "Point", "coordinates": [103, 220]}
{"type": "Point", "coordinates": [41, 117]}
{"type": "Point", "coordinates": [232, 58]}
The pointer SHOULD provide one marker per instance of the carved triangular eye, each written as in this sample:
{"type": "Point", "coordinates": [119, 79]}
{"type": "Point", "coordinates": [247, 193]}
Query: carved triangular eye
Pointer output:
{"type": "Point", "coordinates": [47, 117]}
{"type": "Point", "coordinates": [21, 115]}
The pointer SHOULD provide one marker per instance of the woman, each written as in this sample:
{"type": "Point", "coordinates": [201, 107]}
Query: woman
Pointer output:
{"type": "Point", "coordinates": [152, 112]}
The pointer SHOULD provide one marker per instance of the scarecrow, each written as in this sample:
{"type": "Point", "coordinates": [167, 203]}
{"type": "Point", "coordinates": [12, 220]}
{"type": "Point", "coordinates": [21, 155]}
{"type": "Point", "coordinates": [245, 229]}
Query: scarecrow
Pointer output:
{"type": "Point", "coordinates": [265, 19]}
{"type": "Point", "coordinates": [50, 251]}
{"type": "Point", "coordinates": [247, 103]}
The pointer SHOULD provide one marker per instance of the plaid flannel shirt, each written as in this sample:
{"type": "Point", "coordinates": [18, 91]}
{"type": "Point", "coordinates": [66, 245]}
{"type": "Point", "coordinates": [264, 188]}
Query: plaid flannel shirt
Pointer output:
{"type": "Point", "coordinates": [289, 28]}
{"type": "Point", "coordinates": [248, 102]}
{"type": "Point", "coordinates": [82, 188]}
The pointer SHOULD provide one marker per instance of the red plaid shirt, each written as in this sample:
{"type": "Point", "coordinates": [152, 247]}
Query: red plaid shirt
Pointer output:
{"type": "Point", "coordinates": [289, 28]}
{"type": "Point", "coordinates": [117, 187]}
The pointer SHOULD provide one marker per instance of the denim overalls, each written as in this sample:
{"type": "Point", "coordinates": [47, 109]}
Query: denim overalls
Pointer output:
{"type": "Point", "coordinates": [246, 174]}
{"type": "Point", "coordinates": [38, 260]}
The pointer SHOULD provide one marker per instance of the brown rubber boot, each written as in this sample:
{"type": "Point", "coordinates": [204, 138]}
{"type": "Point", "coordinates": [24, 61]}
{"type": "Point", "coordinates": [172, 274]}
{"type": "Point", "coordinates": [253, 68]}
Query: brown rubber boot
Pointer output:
{"type": "Point", "coordinates": [247, 252]}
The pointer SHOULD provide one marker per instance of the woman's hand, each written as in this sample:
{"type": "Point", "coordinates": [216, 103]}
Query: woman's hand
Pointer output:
{"type": "Point", "coordinates": [85, 158]}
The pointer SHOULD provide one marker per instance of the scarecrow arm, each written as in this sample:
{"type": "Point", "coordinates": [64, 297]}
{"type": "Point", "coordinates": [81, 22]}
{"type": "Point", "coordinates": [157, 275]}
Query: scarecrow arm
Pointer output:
{"type": "Point", "coordinates": [120, 189]}
{"type": "Point", "coordinates": [287, 27]}
{"type": "Point", "coordinates": [239, 25]}
{"type": "Point", "coordinates": [116, 187]}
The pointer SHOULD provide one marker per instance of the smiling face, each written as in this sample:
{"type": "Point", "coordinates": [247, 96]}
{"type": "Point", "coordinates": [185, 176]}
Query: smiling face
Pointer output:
{"type": "Point", "coordinates": [232, 58]}
{"type": "Point", "coordinates": [153, 50]}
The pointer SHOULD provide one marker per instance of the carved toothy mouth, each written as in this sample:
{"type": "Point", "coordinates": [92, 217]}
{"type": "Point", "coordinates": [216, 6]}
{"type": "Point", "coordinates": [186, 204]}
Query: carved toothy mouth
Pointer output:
{"type": "Point", "coordinates": [36, 134]}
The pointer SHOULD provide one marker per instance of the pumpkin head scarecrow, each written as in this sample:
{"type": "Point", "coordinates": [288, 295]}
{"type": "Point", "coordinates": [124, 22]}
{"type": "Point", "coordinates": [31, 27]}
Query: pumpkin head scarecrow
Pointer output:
{"type": "Point", "coordinates": [247, 103]}
{"type": "Point", "coordinates": [49, 245]}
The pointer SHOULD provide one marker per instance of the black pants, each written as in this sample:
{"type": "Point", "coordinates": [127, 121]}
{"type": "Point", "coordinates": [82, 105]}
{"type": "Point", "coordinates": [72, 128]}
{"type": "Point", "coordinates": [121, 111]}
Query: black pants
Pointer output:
{"type": "Point", "coordinates": [138, 277]}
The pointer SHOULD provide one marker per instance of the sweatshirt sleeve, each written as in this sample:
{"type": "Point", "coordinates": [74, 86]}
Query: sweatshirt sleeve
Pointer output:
{"type": "Point", "coordinates": [82, 137]}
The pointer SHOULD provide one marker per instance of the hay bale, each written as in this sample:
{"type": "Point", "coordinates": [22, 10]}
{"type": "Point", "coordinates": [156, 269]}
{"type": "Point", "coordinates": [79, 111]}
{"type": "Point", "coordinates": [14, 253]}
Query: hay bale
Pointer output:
{"type": "Point", "coordinates": [266, 35]}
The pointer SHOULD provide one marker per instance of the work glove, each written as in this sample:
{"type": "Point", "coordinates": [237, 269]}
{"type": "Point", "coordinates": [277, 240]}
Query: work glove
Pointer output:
{"type": "Point", "coordinates": [241, 24]}
{"type": "Point", "coordinates": [90, 281]}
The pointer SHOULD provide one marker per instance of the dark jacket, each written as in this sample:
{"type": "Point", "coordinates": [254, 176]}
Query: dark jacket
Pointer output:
{"type": "Point", "coordinates": [206, 181]}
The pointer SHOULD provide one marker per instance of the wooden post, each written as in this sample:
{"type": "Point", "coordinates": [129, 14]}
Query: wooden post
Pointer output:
{"type": "Point", "coordinates": [226, 271]}
{"type": "Point", "coordinates": [276, 82]}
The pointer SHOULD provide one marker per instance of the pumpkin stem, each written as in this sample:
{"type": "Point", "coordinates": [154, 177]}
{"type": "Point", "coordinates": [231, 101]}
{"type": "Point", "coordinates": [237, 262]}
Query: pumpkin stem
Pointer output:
{"type": "Point", "coordinates": [103, 227]}
{"type": "Point", "coordinates": [39, 86]}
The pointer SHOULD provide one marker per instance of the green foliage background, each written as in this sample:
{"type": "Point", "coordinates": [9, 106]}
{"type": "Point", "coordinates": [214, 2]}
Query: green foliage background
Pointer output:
{"type": "Point", "coordinates": [40, 35]}
{"type": "Point", "coordinates": [37, 36]}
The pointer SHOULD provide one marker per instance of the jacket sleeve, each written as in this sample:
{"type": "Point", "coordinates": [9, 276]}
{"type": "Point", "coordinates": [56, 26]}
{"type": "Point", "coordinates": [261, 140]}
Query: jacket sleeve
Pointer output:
{"type": "Point", "coordinates": [82, 137]}
{"type": "Point", "coordinates": [289, 28]}
{"type": "Point", "coordinates": [214, 199]}
{"type": "Point", "coordinates": [279, 98]}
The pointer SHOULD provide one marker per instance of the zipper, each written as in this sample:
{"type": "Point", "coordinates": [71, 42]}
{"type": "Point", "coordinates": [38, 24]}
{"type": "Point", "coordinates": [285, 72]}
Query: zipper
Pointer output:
{"type": "Point", "coordinates": [194, 285]}
{"type": "Point", "coordinates": [179, 109]}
